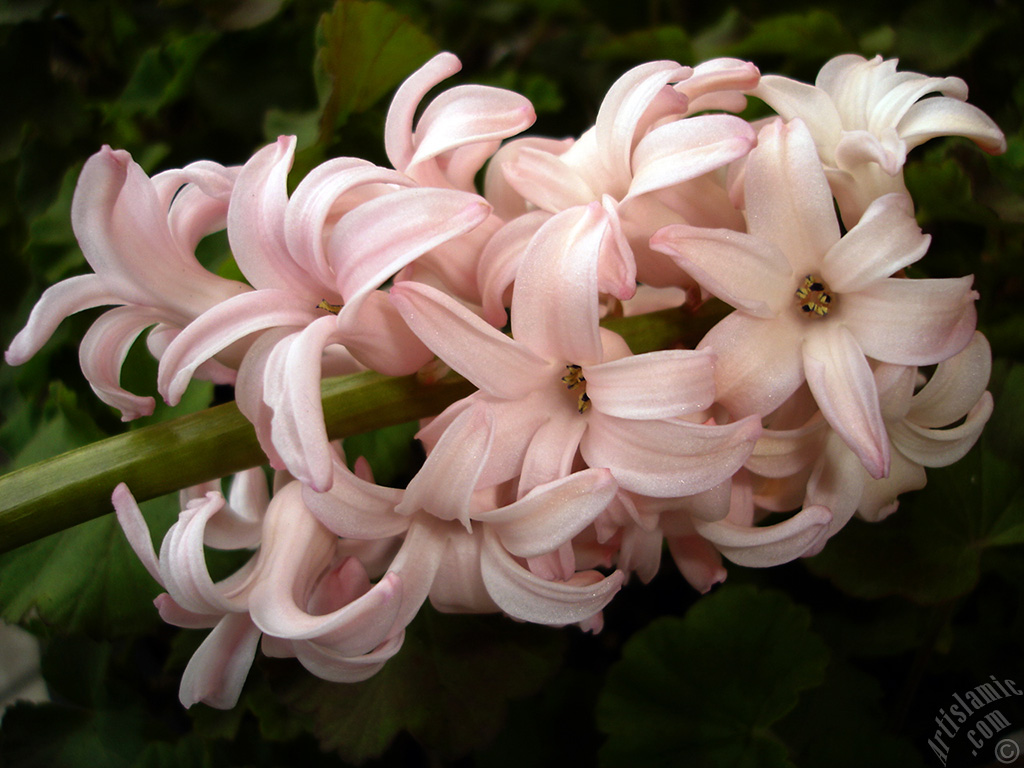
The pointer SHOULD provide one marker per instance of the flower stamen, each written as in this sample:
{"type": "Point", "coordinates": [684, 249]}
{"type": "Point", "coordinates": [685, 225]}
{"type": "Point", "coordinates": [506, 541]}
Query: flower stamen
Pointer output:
{"type": "Point", "coordinates": [326, 305]}
{"type": "Point", "coordinates": [575, 379]}
{"type": "Point", "coordinates": [814, 295]}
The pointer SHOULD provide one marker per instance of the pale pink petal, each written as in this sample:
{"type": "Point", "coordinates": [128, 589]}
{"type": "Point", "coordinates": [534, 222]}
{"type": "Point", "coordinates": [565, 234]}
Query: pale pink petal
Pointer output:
{"type": "Point", "coordinates": [135, 530]}
{"type": "Point", "coordinates": [103, 351]}
{"type": "Point", "coordinates": [624, 107]}
{"type": "Point", "coordinates": [469, 114]}
{"type": "Point", "coordinates": [499, 263]}
{"type": "Point", "coordinates": [311, 204]}
{"type": "Point", "coordinates": [58, 302]}
{"type": "Point", "coordinates": [217, 670]}
{"type": "Point", "coordinates": [375, 240]}
{"type": "Point", "coordinates": [256, 222]}
{"type": "Point", "coordinates": [195, 212]}
{"type": "Point", "coordinates": [843, 386]}
{"type": "Point", "coordinates": [291, 389]}
{"type": "Point", "coordinates": [183, 563]}
{"type": "Point", "coordinates": [743, 271]}
{"type": "Point", "coordinates": [398, 136]}
{"type": "Point", "coordinates": [444, 485]}
{"type": "Point", "coordinates": [782, 453]}
{"type": "Point", "coordinates": [788, 199]}
{"type": "Point", "coordinates": [378, 337]}
{"type": "Point", "coordinates": [955, 387]}
{"type": "Point", "coordinates": [551, 514]}
{"type": "Point", "coordinates": [698, 561]}
{"type": "Point", "coordinates": [528, 597]}
{"type": "Point", "coordinates": [857, 149]}
{"type": "Point", "coordinates": [942, 116]}
{"type": "Point", "coordinates": [885, 240]}
{"type": "Point", "coordinates": [335, 667]}
{"type": "Point", "coordinates": [792, 99]}
{"type": "Point", "coordinates": [546, 181]}
{"type": "Point", "coordinates": [509, 203]}
{"type": "Point", "coordinates": [912, 322]}
{"type": "Point", "coordinates": [717, 77]}
{"type": "Point", "coordinates": [225, 324]}
{"type": "Point", "coordinates": [240, 524]}
{"type": "Point", "coordinates": [356, 508]}
{"type": "Point", "coordinates": [767, 546]}
{"type": "Point", "coordinates": [684, 149]}
{"type": "Point", "coordinates": [501, 366]}
{"type": "Point", "coordinates": [124, 235]}
{"type": "Point", "coordinates": [172, 613]}
{"type": "Point", "coordinates": [249, 390]}
{"type": "Point", "coordinates": [655, 385]}
{"type": "Point", "coordinates": [836, 483]}
{"type": "Point", "coordinates": [551, 449]}
{"type": "Point", "coordinates": [758, 363]}
{"type": "Point", "coordinates": [880, 498]}
{"type": "Point", "coordinates": [941, 447]}
{"type": "Point", "coordinates": [555, 309]}
{"type": "Point", "coordinates": [640, 552]}
{"type": "Point", "coordinates": [295, 545]}
{"type": "Point", "coordinates": [668, 458]}
{"type": "Point", "coordinates": [418, 562]}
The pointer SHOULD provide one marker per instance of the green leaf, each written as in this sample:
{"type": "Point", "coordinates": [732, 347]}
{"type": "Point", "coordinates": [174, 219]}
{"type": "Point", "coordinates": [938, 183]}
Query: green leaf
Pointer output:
{"type": "Point", "coordinates": [706, 688]}
{"type": "Point", "coordinates": [812, 36]}
{"type": "Point", "coordinates": [448, 687]}
{"type": "Point", "coordinates": [86, 579]}
{"type": "Point", "coordinates": [842, 724]}
{"type": "Point", "coordinates": [364, 50]}
{"type": "Point", "coordinates": [665, 42]}
{"type": "Point", "coordinates": [162, 76]}
{"type": "Point", "coordinates": [930, 550]}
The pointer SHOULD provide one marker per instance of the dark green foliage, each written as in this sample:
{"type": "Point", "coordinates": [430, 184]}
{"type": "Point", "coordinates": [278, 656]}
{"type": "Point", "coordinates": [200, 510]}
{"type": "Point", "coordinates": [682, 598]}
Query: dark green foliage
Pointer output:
{"type": "Point", "coordinates": [842, 663]}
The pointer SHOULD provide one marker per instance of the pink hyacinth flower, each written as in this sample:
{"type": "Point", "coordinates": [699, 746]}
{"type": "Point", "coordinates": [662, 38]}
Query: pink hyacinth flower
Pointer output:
{"type": "Point", "coordinates": [317, 260]}
{"type": "Point", "coordinates": [813, 306]}
{"type": "Point", "coordinates": [139, 236]}
{"type": "Point", "coordinates": [563, 384]}
{"type": "Point", "coordinates": [865, 116]}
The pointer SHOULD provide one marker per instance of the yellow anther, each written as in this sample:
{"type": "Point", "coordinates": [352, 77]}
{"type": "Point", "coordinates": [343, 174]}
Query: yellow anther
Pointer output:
{"type": "Point", "coordinates": [814, 296]}
{"type": "Point", "coordinates": [326, 305]}
{"type": "Point", "coordinates": [574, 377]}
{"type": "Point", "coordinates": [583, 403]}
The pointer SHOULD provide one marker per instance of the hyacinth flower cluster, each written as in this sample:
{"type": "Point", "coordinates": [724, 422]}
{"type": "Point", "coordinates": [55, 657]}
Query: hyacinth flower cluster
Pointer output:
{"type": "Point", "coordinates": [826, 392]}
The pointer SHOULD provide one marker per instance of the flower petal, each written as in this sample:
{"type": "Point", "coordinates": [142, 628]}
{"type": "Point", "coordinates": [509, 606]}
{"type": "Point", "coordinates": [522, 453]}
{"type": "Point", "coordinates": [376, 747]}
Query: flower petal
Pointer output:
{"type": "Point", "coordinates": [844, 388]}
{"type": "Point", "coordinates": [912, 322]}
{"type": "Point", "coordinates": [741, 270]}
{"type": "Point", "coordinates": [500, 366]}
{"type": "Point", "coordinates": [668, 458]}
{"type": "Point", "coordinates": [955, 387]}
{"type": "Point", "coordinates": [528, 597]}
{"type": "Point", "coordinates": [217, 670]}
{"type": "Point", "coordinates": [787, 196]}
{"type": "Point", "coordinates": [655, 385]}
{"type": "Point", "coordinates": [685, 149]}
{"type": "Point", "coordinates": [885, 240]}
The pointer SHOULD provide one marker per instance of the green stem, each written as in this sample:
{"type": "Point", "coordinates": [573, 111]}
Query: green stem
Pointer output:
{"type": "Point", "coordinates": [74, 487]}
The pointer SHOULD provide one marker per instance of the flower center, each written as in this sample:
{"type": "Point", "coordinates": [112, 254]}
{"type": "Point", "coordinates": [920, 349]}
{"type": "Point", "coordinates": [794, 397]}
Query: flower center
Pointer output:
{"type": "Point", "coordinates": [326, 305]}
{"type": "Point", "coordinates": [814, 297]}
{"type": "Point", "coordinates": [574, 380]}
